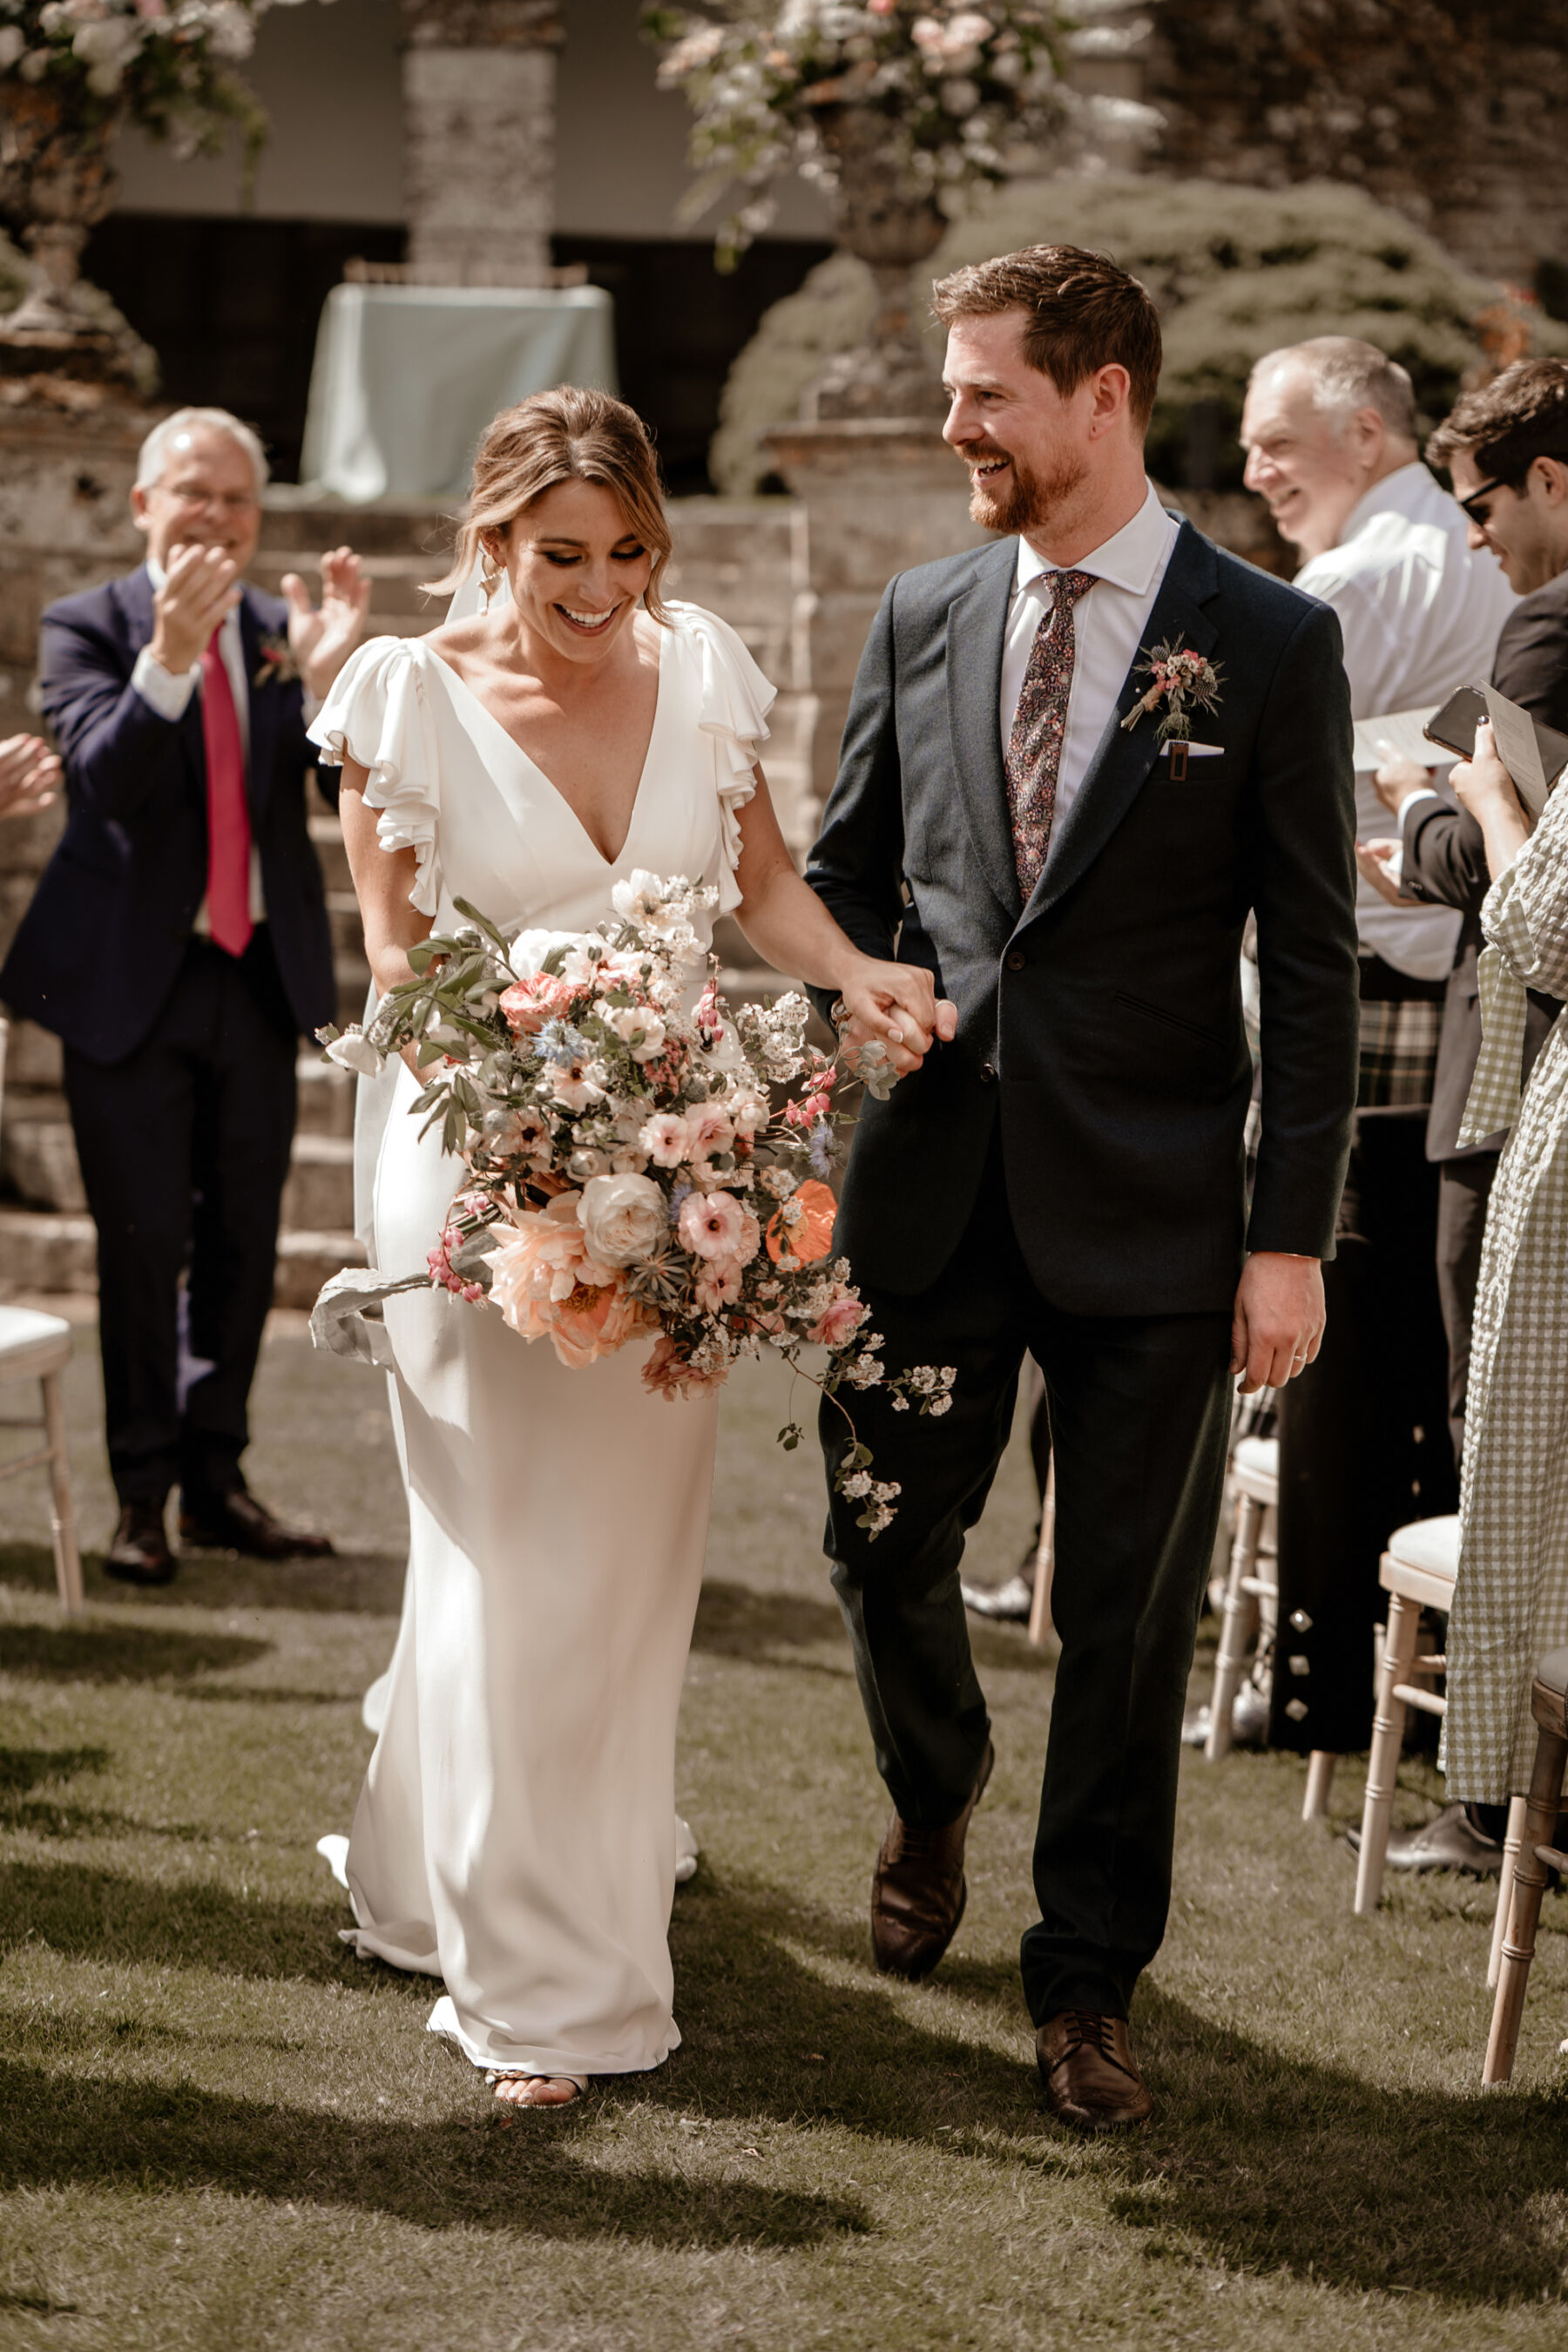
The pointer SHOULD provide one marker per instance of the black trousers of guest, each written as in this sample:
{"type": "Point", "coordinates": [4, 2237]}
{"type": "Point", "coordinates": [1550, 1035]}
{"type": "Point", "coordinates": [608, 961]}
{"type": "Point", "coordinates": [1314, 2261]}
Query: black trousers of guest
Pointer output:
{"type": "Point", "coordinates": [185, 1148]}
{"type": "Point", "coordinates": [1363, 1437]}
{"type": "Point", "coordinates": [1464, 1190]}
{"type": "Point", "coordinates": [1139, 1411]}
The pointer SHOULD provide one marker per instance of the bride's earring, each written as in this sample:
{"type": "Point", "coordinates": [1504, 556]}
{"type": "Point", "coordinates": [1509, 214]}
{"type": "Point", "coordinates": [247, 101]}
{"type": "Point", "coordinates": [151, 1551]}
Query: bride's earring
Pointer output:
{"type": "Point", "coordinates": [489, 578]}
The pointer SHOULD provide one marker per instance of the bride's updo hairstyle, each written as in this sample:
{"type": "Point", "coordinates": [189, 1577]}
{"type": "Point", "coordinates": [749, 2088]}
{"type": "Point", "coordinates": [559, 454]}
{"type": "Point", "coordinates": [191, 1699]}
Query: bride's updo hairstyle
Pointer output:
{"type": "Point", "coordinates": [565, 435]}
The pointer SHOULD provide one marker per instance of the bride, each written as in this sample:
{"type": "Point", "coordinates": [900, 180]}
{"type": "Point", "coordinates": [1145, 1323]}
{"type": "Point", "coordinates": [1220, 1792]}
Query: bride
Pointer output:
{"type": "Point", "coordinates": [515, 1834]}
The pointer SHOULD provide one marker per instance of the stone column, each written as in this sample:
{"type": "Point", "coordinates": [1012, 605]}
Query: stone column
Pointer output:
{"type": "Point", "coordinates": [479, 96]}
{"type": "Point", "coordinates": [881, 494]}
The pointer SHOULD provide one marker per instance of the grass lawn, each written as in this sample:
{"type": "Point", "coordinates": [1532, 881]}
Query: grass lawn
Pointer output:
{"type": "Point", "coordinates": [217, 2129]}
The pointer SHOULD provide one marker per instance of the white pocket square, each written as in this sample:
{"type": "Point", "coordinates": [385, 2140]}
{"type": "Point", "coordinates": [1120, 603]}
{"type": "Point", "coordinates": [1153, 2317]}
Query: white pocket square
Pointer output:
{"type": "Point", "coordinates": [1194, 750]}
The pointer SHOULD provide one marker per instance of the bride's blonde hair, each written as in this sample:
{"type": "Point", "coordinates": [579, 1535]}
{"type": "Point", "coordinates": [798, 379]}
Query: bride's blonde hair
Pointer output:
{"type": "Point", "coordinates": [565, 435]}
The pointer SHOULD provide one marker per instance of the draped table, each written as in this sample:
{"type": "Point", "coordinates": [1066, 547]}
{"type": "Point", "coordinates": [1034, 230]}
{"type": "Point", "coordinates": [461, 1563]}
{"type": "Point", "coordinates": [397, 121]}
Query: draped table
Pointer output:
{"type": "Point", "coordinates": [406, 378]}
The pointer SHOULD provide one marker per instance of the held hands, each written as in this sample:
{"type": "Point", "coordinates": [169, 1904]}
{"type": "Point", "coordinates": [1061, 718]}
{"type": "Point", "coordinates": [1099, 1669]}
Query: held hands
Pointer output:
{"type": "Point", "coordinates": [30, 775]}
{"type": "Point", "coordinates": [1276, 1327]}
{"type": "Point", "coordinates": [200, 586]}
{"type": "Point", "coordinates": [1378, 863]}
{"type": "Point", "coordinates": [895, 1005]}
{"type": "Point", "coordinates": [321, 642]}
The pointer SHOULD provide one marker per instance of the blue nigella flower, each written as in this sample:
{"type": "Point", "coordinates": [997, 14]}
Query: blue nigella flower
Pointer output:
{"type": "Point", "coordinates": [559, 1043]}
{"type": "Point", "coordinates": [821, 1147]}
{"type": "Point", "coordinates": [680, 1193]}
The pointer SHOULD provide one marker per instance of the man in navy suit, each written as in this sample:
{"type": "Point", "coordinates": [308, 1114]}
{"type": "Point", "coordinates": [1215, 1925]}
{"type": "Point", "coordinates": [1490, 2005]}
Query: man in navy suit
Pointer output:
{"type": "Point", "coordinates": [1061, 1169]}
{"type": "Point", "coordinates": [178, 943]}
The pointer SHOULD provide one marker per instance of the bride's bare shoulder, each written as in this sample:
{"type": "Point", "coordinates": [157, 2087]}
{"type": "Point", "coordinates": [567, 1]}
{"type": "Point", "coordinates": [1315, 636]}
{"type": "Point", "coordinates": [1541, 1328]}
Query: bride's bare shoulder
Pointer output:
{"type": "Point", "coordinates": [456, 641]}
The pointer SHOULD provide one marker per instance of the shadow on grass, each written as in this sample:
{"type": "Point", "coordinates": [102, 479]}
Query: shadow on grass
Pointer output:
{"type": "Point", "coordinates": [1270, 2163]}
{"type": "Point", "coordinates": [69, 2131]}
{"type": "Point", "coordinates": [22, 1769]}
{"type": "Point", "coordinates": [122, 1653]}
{"type": "Point", "coordinates": [89, 1914]}
{"type": "Point", "coordinates": [368, 1585]}
{"type": "Point", "coordinates": [738, 1621]}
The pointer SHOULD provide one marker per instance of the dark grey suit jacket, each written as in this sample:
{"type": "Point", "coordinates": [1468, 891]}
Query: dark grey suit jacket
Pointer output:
{"type": "Point", "coordinates": [1101, 1024]}
{"type": "Point", "coordinates": [1445, 862]}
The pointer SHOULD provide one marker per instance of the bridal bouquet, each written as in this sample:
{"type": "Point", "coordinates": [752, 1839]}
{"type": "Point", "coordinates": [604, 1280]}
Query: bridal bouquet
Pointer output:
{"type": "Point", "coordinates": [628, 1171]}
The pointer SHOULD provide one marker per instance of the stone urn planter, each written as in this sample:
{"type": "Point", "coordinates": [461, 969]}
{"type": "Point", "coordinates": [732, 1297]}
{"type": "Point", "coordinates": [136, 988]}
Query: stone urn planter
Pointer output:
{"type": "Point", "coordinates": [892, 223]}
{"type": "Point", "coordinates": [56, 182]}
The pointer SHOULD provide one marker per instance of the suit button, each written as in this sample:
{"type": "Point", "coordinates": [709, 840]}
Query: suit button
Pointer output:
{"type": "Point", "coordinates": [988, 1073]}
{"type": "Point", "coordinates": [1017, 962]}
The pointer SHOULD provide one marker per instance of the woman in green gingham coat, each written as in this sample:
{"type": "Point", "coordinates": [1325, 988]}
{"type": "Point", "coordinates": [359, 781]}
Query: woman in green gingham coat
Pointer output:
{"type": "Point", "coordinates": [1512, 1602]}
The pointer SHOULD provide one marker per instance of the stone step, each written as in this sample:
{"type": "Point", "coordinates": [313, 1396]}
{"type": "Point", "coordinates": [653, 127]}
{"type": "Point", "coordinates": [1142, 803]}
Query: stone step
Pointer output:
{"type": "Point", "coordinates": [326, 1095]}
{"type": "Point", "coordinates": [41, 1250]}
{"type": "Point", "coordinates": [327, 840]}
{"type": "Point", "coordinates": [407, 527]}
{"type": "Point", "coordinates": [320, 1194]}
{"type": "Point", "coordinates": [307, 1260]}
{"type": "Point", "coordinates": [37, 1153]}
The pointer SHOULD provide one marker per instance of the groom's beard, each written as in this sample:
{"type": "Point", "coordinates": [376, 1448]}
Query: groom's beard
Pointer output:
{"type": "Point", "coordinates": [1025, 500]}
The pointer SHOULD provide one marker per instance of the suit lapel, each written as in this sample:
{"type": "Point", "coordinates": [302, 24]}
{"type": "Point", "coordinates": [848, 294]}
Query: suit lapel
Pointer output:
{"type": "Point", "coordinates": [263, 703]}
{"type": "Point", "coordinates": [976, 628]}
{"type": "Point", "coordinates": [1123, 757]}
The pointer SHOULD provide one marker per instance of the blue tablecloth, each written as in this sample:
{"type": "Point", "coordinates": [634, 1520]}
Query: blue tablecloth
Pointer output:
{"type": "Point", "coordinates": [406, 378]}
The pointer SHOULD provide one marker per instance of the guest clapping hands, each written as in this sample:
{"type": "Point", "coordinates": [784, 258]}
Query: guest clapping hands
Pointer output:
{"type": "Point", "coordinates": [30, 775]}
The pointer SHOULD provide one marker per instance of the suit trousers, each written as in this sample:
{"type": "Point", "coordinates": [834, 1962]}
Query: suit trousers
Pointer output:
{"type": "Point", "coordinates": [1139, 1412]}
{"type": "Point", "coordinates": [1363, 1436]}
{"type": "Point", "coordinates": [184, 1151]}
{"type": "Point", "coordinates": [1464, 1190]}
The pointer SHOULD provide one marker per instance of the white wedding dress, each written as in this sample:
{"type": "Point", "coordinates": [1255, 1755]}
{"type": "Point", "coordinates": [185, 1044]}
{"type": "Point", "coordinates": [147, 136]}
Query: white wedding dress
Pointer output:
{"type": "Point", "coordinates": [516, 1832]}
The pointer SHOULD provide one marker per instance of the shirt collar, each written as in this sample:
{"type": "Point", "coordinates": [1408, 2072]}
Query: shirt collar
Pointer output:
{"type": "Point", "coordinates": [1129, 559]}
{"type": "Point", "coordinates": [1407, 491]}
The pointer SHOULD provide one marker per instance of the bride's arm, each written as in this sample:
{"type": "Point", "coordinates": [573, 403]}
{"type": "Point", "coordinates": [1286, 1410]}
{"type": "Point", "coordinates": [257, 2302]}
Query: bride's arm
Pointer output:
{"type": "Point", "coordinates": [383, 880]}
{"type": "Point", "coordinates": [788, 924]}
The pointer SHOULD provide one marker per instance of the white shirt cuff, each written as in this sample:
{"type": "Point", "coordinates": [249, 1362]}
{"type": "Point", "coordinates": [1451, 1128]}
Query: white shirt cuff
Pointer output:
{"type": "Point", "coordinates": [164, 691]}
{"type": "Point", "coordinates": [1422, 792]}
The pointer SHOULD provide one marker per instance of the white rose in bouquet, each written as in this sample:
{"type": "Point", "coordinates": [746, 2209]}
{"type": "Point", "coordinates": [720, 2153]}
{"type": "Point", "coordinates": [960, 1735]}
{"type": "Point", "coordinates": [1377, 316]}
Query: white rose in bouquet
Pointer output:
{"type": "Point", "coordinates": [623, 1217]}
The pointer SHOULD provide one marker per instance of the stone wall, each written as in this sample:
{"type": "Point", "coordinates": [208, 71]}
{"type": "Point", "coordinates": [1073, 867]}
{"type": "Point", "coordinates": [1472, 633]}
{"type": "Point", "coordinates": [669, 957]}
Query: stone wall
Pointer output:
{"type": "Point", "coordinates": [479, 96]}
{"type": "Point", "coordinates": [1452, 114]}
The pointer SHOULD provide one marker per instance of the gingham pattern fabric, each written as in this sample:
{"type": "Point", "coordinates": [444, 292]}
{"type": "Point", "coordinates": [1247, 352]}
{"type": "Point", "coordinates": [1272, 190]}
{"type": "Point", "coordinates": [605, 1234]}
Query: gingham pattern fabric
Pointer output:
{"type": "Point", "coordinates": [1398, 1055]}
{"type": "Point", "coordinates": [1039, 726]}
{"type": "Point", "coordinates": [1510, 1604]}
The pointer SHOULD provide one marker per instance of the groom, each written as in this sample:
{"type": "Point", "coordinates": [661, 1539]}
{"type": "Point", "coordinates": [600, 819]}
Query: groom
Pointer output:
{"type": "Point", "coordinates": [1061, 1169]}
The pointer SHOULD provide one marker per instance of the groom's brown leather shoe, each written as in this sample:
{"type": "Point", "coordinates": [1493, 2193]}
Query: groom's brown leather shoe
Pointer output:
{"type": "Point", "coordinates": [1090, 2074]}
{"type": "Point", "coordinates": [919, 1890]}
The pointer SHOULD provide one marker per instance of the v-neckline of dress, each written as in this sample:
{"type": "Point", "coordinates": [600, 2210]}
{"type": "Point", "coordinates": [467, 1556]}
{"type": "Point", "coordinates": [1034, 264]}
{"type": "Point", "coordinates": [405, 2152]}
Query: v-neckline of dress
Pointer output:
{"type": "Point", "coordinates": [609, 864]}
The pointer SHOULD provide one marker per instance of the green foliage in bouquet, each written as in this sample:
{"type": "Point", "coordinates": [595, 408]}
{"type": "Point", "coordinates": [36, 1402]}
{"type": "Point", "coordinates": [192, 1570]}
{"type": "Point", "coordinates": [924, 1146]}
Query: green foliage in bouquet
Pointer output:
{"type": "Point", "coordinates": [622, 1168]}
{"type": "Point", "coordinates": [1236, 272]}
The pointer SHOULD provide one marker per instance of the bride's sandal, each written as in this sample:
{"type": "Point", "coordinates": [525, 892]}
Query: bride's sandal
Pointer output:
{"type": "Point", "coordinates": [521, 2086]}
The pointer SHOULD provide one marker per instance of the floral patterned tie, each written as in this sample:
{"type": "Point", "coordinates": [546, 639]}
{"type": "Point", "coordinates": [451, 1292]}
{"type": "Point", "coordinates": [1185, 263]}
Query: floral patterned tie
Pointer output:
{"type": "Point", "coordinates": [1039, 726]}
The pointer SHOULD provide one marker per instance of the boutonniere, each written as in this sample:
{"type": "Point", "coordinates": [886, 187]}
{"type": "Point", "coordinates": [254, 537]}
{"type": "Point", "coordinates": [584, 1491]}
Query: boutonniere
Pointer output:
{"type": "Point", "coordinates": [1183, 681]}
{"type": "Point", "coordinates": [279, 667]}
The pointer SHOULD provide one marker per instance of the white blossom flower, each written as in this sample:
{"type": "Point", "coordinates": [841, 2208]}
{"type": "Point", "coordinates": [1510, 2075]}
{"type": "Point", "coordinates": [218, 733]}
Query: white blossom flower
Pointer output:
{"type": "Point", "coordinates": [13, 41]}
{"type": "Point", "coordinates": [623, 1217]}
{"type": "Point", "coordinates": [353, 1051]}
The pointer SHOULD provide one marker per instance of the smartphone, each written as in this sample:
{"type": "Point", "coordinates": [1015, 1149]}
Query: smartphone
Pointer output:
{"type": "Point", "coordinates": [1453, 727]}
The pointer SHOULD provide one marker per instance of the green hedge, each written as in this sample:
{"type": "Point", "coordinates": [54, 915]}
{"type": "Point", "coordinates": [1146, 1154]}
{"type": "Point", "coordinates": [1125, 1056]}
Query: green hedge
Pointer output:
{"type": "Point", "coordinates": [1236, 272]}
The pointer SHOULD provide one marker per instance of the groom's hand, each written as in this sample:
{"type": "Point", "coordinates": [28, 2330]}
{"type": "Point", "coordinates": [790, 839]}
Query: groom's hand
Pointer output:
{"type": "Point", "coordinates": [896, 1005]}
{"type": "Point", "coordinates": [1276, 1328]}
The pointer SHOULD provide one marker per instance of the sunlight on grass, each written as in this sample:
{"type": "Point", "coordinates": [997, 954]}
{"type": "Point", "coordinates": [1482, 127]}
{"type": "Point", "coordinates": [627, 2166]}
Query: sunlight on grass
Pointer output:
{"type": "Point", "coordinates": [217, 2129]}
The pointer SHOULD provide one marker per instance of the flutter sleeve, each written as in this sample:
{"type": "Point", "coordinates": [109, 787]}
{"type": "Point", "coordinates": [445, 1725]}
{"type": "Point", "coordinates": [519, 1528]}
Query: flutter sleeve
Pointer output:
{"type": "Point", "coordinates": [1525, 919]}
{"type": "Point", "coordinates": [378, 714]}
{"type": "Point", "coordinates": [733, 709]}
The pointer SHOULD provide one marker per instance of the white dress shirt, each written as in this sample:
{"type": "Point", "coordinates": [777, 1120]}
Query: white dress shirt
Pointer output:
{"type": "Point", "coordinates": [1421, 614]}
{"type": "Point", "coordinates": [1109, 625]}
{"type": "Point", "coordinates": [168, 692]}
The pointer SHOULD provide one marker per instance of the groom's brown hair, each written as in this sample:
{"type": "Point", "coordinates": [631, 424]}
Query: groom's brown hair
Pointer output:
{"type": "Point", "coordinates": [1080, 313]}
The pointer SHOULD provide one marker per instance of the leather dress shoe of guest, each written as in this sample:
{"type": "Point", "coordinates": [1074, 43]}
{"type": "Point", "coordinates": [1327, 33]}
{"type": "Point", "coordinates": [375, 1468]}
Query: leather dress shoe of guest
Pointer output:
{"type": "Point", "coordinates": [140, 1553]}
{"type": "Point", "coordinates": [1010, 1602]}
{"type": "Point", "coordinates": [919, 1890]}
{"type": "Point", "coordinates": [1450, 1841]}
{"type": "Point", "coordinates": [1248, 1720]}
{"type": "Point", "coordinates": [237, 1522]}
{"type": "Point", "coordinates": [1091, 2077]}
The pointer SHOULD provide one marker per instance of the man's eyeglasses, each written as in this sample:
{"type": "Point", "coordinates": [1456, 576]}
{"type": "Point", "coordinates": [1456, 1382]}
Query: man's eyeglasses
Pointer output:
{"type": "Point", "coordinates": [233, 502]}
{"type": "Point", "coordinates": [1477, 507]}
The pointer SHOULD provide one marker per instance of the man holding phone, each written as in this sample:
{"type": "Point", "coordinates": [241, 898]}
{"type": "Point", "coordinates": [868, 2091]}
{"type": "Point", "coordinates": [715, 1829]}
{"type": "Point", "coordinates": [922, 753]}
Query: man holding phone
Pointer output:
{"type": "Point", "coordinates": [1505, 448]}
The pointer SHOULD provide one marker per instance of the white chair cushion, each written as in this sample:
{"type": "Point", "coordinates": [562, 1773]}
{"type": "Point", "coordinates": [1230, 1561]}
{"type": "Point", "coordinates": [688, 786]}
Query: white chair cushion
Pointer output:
{"type": "Point", "coordinates": [1258, 1454]}
{"type": "Point", "coordinates": [1432, 1544]}
{"type": "Point", "coordinates": [32, 1344]}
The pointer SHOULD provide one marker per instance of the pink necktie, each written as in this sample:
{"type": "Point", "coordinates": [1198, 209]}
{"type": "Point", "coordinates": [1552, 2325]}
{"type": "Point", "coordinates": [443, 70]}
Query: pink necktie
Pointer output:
{"type": "Point", "coordinates": [228, 818]}
{"type": "Point", "coordinates": [1039, 727]}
